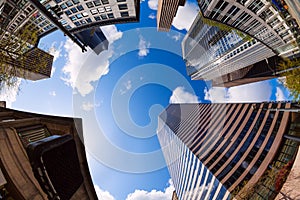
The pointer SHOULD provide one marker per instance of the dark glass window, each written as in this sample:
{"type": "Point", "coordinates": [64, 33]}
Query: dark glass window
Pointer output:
{"type": "Point", "coordinates": [97, 3]}
{"type": "Point", "coordinates": [77, 23]}
{"type": "Point", "coordinates": [105, 2]}
{"type": "Point", "coordinates": [74, 10]}
{"type": "Point", "coordinates": [122, 6]}
{"type": "Point", "coordinates": [69, 3]}
{"type": "Point", "coordinates": [88, 20]}
{"type": "Point", "coordinates": [68, 12]}
{"type": "Point", "coordinates": [121, 0]}
{"type": "Point", "coordinates": [75, 1]}
{"type": "Point", "coordinates": [80, 7]}
{"type": "Point", "coordinates": [63, 6]}
{"type": "Point", "coordinates": [256, 5]}
{"type": "Point", "coordinates": [57, 1]}
{"type": "Point", "coordinates": [104, 16]}
{"type": "Point", "coordinates": [89, 4]}
{"type": "Point", "coordinates": [124, 14]}
{"type": "Point", "coordinates": [110, 15]}
{"type": "Point", "coordinates": [97, 18]}
{"type": "Point", "coordinates": [73, 18]}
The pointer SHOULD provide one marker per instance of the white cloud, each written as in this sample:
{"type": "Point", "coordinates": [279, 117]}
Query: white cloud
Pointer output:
{"type": "Point", "coordinates": [153, 4]}
{"type": "Point", "coordinates": [9, 94]}
{"type": "Point", "coordinates": [179, 95]}
{"type": "Point", "coordinates": [88, 106]}
{"type": "Point", "coordinates": [81, 69]}
{"type": "Point", "coordinates": [52, 93]}
{"type": "Point", "coordinates": [185, 16]}
{"type": "Point", "coordinates": [153, 195]}
{"type": "Point", "coordinates": [56, 51]}
{"type": "Point", "coordinates": [143, 47]}
{"type": "Point", "coordinates": [280, 96]}
{"type": "Point", "coordinates": [127, 86]}
{"type": "Point", "coordinates": [152, 16]}
{"type": "Point", "coordinates": [176, 37]}
{"type": "Point", "coordinates": [103, 195]}
{"type": "Point", "coordinates": [254, 92]}
{"type": "Point", "coordinates": [111, 32]}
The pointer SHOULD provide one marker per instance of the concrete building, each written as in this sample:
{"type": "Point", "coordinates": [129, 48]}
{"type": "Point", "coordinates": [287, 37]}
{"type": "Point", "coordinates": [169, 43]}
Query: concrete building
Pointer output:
{"type": "Point", "coordinates": [217, 151]}
{"type": "Point", "coordinates": [166, 11]}
{"type": "Point", "coordinates": [260, 19]}
{"type": "Point", "coordinates": [65, 174]}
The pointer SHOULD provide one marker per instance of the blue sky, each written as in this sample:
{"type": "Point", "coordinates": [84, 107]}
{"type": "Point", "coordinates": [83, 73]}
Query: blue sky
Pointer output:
{"type": "Point", "coordinates": [119, 95]}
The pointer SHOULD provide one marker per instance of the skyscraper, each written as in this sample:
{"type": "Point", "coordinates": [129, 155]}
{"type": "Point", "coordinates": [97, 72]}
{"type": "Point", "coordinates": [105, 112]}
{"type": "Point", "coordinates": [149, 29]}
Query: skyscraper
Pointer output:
{"type": "Point", "coordinates": [260, 19]}
{"type": "Point", "coordinates": [211, 51]}
{"type": "Point", "coordinates": [215, 151]}
{"type": "Point", "coordinates": [166, 12]}
{"type": "Point", "coordinates": [260, 30]}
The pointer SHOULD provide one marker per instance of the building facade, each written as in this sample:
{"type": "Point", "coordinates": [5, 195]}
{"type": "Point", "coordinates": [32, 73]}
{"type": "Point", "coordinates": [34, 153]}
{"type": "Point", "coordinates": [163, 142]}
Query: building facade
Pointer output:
{"type": "Point", "coordinates": [213, 51]}
{"type": "Point", "coordinates": [260, 19]}
{"type": "Point", "coordinates": [166, 11]}
{"type": "Point", "coordinates": [217, 151]}
{"type": "Point", "coordinates": [67, 170]}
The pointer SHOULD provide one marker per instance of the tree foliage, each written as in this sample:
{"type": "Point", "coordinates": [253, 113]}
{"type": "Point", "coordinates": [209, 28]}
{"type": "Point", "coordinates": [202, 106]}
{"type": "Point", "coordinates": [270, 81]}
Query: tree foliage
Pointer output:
{"type": "Point", "coordinates": [14, 48]}
{"type": "Point", "coordinates": [290, 69]}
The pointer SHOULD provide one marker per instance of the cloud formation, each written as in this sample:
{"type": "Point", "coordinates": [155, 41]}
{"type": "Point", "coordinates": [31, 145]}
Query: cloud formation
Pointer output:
{"type": "Point", "coordinates": [103, 195]}
{"type": "Point", "coordinates": [152, 16]}
{"type": "Point", "coordinates": [153, 4]}
{"type": "Point", "coordinates": [153, 195]}
{"type": "Point", "coordinates": [10, 93]}
{"type": "Point", "coordinates": [52, 93]}
{"type": "Point", "coordinates": [179, 95]}
{"type": "Point", "coordinates": [81, 69]}
{"type": "Point", "coordinates": [185, 16]}
{"type": "Point", "coordinates": [143, 47]}
{"type": "Point", "coordinates": [254, 92]}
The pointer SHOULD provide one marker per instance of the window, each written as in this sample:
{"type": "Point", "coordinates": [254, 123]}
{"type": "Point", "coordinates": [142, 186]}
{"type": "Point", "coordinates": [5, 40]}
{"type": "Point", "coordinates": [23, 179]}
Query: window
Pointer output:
{"type": "Point", "coordinates": [73, 18]}
{"type": "Point", "coordinates": [69, 3]}
{"type": "Point", "coordinates": [63, 6]}
{"type": "Point", "coordinates": [97, 3]}
{"type": "Point", "coordinates": [97, 18]}
{"type": "Point", "coordinates": [79, 16]}
{"type": "Point", "coordinates": [104, 16]}
{"type": "Point", "coordinates": [57, 1]}
{"type": "Point", "coordinates": [121, 0]}
{"type": "Point", "coordinates": [68, 12]}
{"type": "Point", "coordinates": [88, 20]}
{"type": "Point", "coordinates": [68, 27]}
{"type": "Point", "coordinates": [256, 5]}
{"type": "Point", "coordinates": [74, 10]}
{"type": "Point", "coordinates": [75, 1]}
{"type": "Point", "coordinates": [107, 8]}
{"type": "Point", "coordinates": [82, 21]}
{"type": "Point", "coordinates": [80, 7]}
{"type": "Point", "coordinates": [77, 23]}
{"type": "Point", "coordinates": [105, 2]}
{"type": "Point", "coordinates": [85, 14]}
{"type": "Point", "coordinates": [124, 14]}
{"type": "Point", "coordinates": [63, 22]}
{"type": "Point", "coordinates": [123, 6]}
{"type": "Point", "coordinates": [101, 10]}
{"type": "Point", "coordinates": [89, 4]}
{"type": "Point", "coordinates": [110, 15]}
{"type": "Point", "coordinates": [94, 11]}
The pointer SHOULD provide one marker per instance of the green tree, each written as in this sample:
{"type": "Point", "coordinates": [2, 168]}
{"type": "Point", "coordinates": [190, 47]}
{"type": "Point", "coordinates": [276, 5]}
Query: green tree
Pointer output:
{"type": "Point", "coordinates": [290, 69]}
{"type": "Point", "coordinates": [14, 52]}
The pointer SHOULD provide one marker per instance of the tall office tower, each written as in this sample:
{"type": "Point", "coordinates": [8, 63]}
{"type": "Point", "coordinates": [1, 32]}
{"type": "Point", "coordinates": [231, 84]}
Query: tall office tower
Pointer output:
{"type": "Point", "coordinates": [20, 31]}
{"type": "Point", "coordinates": [42, 157]}
{"type": "Point", "coordinates": [217, 151]}
{"type": "Point", "coordinates": [213, 51]}
{"type": "Point", "coordinates": [260, 19]}
{"type": "Point", "coordinates": [166, 11]}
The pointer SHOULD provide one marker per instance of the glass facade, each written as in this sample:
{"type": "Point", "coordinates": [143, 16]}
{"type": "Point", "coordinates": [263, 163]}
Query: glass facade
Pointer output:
{"type": "Point", "coordinates": [215, 150]}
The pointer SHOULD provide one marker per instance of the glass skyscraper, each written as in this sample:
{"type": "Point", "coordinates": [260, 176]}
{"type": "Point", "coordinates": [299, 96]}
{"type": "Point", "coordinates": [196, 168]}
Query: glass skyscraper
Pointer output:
{"type": "Point", "coordinates": [216, 151]}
